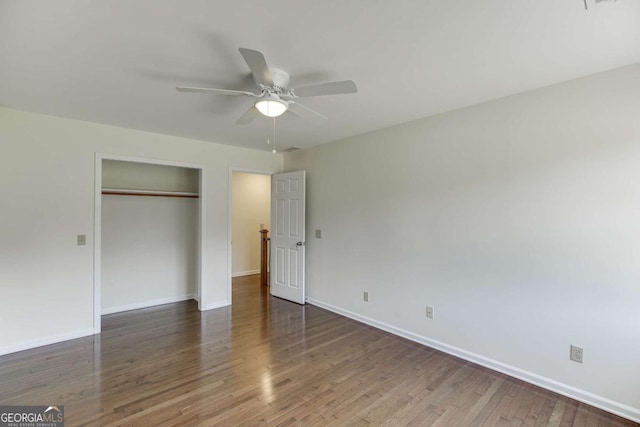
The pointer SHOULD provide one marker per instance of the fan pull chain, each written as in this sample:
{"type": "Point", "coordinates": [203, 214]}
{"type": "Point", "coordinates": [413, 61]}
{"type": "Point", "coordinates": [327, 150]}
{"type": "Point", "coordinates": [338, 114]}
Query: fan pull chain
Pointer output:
{"type": "Point", "coordinates": [274, 136]}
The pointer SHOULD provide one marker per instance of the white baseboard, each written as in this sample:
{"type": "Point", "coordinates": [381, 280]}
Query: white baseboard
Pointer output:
{"type": "Point", "coordinates": [215, 304]}
{"type": "Point", "coordinates": [39, 342]}
{"type": "Point", "coordinates": [589, 398]}
{"type": "Point", "coordinates": [146, 304]}
{"type": "Point", "coordinates": [245, 273]}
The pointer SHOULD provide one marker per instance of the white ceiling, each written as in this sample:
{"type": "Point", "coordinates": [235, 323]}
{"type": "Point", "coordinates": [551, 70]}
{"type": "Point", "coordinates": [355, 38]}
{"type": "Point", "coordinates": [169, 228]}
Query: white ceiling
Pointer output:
{"type": "Point", "coordinates": [118, 62]}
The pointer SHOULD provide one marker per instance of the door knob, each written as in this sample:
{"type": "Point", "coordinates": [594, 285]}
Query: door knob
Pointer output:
{"type": "Point", "coordinates": [300, 244]}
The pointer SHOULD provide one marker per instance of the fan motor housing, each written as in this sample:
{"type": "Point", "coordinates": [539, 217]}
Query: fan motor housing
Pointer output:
{"type": "Point", "coordinates": [280, 80]}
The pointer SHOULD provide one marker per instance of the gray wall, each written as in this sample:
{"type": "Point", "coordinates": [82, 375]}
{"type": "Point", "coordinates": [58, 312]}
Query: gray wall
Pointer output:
{"type": "Point", "coordinates": [518, 220]}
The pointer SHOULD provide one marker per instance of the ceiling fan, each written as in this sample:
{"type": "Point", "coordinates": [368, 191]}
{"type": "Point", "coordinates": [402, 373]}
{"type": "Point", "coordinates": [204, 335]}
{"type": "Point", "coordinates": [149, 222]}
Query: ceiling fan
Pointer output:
{"type": "Point", "coordinates": [273, 96]}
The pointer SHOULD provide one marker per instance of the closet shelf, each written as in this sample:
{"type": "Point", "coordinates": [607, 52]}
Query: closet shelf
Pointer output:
{"type": "Point", "coordinates": [151, 193]}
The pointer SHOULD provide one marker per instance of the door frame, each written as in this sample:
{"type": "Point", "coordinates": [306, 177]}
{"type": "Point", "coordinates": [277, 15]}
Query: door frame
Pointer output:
{"type": "Point", "coordinates": [97, 228]}
{"type": "Point", "coordinates": [233, 169]}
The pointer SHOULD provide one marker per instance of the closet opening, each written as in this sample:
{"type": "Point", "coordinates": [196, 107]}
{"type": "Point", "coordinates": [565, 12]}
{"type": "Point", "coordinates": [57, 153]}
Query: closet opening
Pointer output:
{"type": "Point", "coordinates": [149, 217]}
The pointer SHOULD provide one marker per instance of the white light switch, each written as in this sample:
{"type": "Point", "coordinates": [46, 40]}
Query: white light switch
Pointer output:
{"type": "Point", "coordinates": [82, 240]}
{"type": "Point", "coordinates": [318, 234]}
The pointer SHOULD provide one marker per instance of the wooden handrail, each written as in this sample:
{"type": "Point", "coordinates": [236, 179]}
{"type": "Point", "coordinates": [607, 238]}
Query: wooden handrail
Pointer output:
{"type": "Point", "coordinates": [264, 258]}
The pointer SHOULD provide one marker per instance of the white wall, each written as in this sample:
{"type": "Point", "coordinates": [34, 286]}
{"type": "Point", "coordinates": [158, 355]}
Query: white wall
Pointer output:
{"type": "Point", "coordinates": [47, 198]}
{"type": "Point", "coordinates": [518, 220]}
{"type": "Point", "coordinates": [251, 206]}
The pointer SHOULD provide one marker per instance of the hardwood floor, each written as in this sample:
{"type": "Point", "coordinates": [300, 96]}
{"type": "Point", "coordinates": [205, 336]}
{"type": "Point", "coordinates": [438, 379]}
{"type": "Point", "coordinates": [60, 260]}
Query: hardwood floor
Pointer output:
{"type": "Point", "coordinates": [268, 361]}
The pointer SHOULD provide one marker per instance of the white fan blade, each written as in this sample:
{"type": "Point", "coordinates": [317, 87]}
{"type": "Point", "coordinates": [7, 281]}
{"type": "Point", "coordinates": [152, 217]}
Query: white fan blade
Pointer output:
{"type": "Point", "coordinates": [329, 88]}
{"type": "Point", "coordinates": [258, 66]}
{"type": "Point", "coordinates": [248, 117]}
{"type": "Point", "coordinates": [296, 107]}
{"type": "Point", "coordinates": [213, 90]}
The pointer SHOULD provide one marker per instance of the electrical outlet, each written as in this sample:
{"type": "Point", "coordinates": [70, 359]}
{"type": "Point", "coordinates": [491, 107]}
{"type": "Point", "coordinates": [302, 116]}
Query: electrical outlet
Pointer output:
{"type": "Point", "coordinates": [429, 312]}
{"type": "Point", "coordinates": [576, 354]}
{"type": "Point", "coordinates": [318, 234]}
{"type": "Point", "coordinates": [365, 297]}
{"type": "Point", "coordinates": [82, 240]}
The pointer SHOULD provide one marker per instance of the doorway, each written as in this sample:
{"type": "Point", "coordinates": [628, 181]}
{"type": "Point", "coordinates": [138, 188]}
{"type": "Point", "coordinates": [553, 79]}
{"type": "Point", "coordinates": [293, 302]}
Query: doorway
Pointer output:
{"type": "Point", "coordinates": [250, 213]}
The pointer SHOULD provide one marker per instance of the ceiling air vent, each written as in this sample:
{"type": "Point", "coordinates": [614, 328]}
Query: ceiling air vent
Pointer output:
{"type": "Point", "coordinates": [291, 149]}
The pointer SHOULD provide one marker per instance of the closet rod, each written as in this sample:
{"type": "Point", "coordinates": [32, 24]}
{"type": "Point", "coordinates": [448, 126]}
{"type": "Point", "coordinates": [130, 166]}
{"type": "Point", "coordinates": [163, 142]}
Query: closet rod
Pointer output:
{"type": "Point", "coordinates": [151, 193]}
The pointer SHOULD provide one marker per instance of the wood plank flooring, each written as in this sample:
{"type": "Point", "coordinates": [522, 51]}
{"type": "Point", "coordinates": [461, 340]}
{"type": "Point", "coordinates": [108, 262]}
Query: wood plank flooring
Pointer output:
{"type": "Point", "coordinates": [268, 361]}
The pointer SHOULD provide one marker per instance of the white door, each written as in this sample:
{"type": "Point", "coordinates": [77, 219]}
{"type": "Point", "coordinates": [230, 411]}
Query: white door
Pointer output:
{"type": "Point", "coordinates": [287, 236]}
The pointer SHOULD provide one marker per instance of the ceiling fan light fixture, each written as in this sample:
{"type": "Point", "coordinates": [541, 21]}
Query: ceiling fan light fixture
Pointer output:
{"type": "Point", "coordinates": [272, 96]}
{"type": "Point", "coordinates": [271, 106]}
